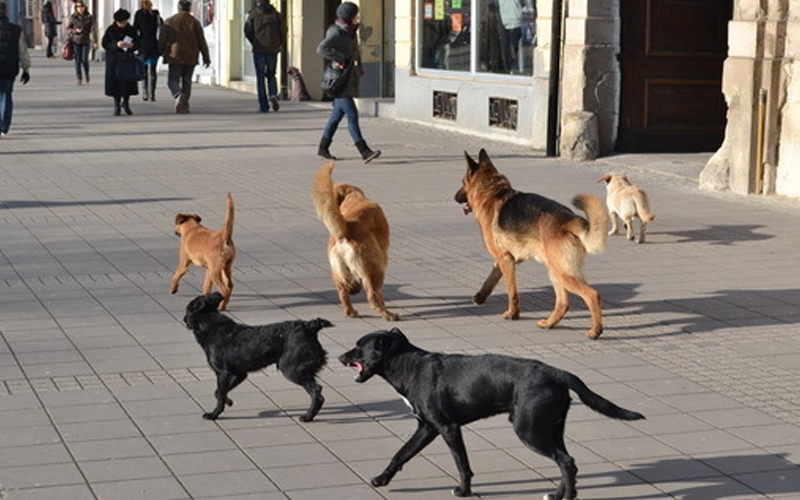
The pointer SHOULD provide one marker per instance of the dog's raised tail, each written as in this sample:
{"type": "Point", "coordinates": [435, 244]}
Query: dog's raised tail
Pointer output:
{"type": "Point", "coordinates": [643, 206]}
{"type": "Point", "coordinates": [227, 226]}
{"type": "Point", "coordinates": [595, 238]}
{"type": "Point", "coordinates": [325, 202]}
{"type": "Point", "coordinates": [597, 402]}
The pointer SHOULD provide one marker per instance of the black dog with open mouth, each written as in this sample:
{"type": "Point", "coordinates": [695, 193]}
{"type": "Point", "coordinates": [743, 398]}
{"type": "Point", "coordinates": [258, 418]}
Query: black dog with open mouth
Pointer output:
{"type": "Point", "coordinates": [233, 350]}
{"type": "Point", "coordinates": [446, 391]}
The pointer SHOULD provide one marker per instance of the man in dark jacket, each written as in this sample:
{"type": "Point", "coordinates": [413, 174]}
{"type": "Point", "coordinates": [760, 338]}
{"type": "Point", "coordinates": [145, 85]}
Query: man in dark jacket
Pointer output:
{"type": "Point", "coordinates": [50, 23]}
{"type": "Point", "coordinates": [181, 42]}
{"type": "Point", "coordinates": [266, 31]}
{"type": "Point", "coordinates": [13, 56]}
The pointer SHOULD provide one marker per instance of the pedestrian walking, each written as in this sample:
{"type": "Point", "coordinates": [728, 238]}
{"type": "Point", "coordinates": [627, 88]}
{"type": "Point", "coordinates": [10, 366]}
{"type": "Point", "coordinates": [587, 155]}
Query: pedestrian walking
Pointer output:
{"type": "Point", "coordinates": [266, 30]}
{"type": "Point", "coordinates": [146, 22]}
{"type": "Point", "coordinates": [340, 47]}
{"type": "Point", "coordinates": [80, 28]}
{"type": "Point", "coordinates": [181, 42]}
{"type": "Point", "coordinates": [50, 23]}
{"type": "Point", "coordinates": [13, 57]}
{"type": "Point", "coordinates": [120, 42]}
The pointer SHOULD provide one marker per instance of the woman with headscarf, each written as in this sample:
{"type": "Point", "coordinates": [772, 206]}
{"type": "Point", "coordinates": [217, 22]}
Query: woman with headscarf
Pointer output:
{"type": "Point", "coordinates": [340, 47]}
{"type": "Point", "coordinates": [120, 41]}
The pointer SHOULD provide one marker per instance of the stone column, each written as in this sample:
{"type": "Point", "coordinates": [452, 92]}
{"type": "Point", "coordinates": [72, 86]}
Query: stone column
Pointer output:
{"type": "Point", "coordinates": [591, 73]}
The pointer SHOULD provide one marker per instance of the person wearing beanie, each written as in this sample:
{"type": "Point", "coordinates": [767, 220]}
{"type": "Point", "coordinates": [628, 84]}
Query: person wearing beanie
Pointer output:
{"type": "Point", "coordinates": [120, 41]}
{"type": "Point", "coordinates": [340, 47]}
{"type": "Point", "coordinates": [13, 58]}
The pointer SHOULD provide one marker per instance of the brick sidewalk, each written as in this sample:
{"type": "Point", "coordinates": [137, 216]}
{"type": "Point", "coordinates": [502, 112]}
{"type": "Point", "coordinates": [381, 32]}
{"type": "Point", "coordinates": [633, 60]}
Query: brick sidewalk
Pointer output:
{"type": "Point", "coordinates": [102, 388]}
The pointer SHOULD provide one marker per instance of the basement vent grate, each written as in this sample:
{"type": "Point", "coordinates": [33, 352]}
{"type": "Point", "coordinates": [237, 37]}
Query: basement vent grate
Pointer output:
{"type": "Point", "coordinates": [445, 105]}
{"type": "Point", "coordinates": [503, 113]}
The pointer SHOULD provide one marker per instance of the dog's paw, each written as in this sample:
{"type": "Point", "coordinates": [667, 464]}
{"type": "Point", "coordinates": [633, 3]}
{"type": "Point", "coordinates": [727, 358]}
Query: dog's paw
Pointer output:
{"type": "Point", "coordinates": [351, 313]}
{"type": "Point", "coordinates": [462, 492]}
{"type": "Point", "coordinates": [479, 299]}
{"type": "Point", "coordinates": [389, 316]}
{"type": "Point", "coordinates": [594, 333]}
{"type": "Point", "coordinates": [305, 418]}
{"type": "Point", "coordinates": [381, 480]}
{"type": "Point", "coordinates": [173, 289]}
{"type": "Point", "coordinates": [511, 315]}
{"type": "Point", "coordinates": [229, 401]}
{"type": "Point", "coordinates": [210, 416]}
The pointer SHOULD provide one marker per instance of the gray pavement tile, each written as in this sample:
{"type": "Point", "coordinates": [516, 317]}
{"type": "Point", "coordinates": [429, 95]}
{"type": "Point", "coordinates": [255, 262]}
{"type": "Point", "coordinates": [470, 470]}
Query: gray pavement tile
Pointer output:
{"type": "Point", "coordinates": [28, 436]}
{"type": "Point", "coordinates": [290, 455]}
{"type": "Point", "coordinates": [111, 449]}
{"type": "Point", "coordinates": [174, 424]}
{"type": "Point", "coordinates": [24, 418]}
{"type": "Point", "coordinates": [209, 462]}
{"type": "Point", "coordinates": [28, 476]}
{"type": "Point", "coordinates": [151, 488]}
{"type": "Point", "coordinates": [72, 492]}
{"type": "Point", "coordinates": [709, 441]}
{"type": "Point", "coordinates": [87, 413]}
{"type": "Point", "coordinates": [349, 492]}
{"type": "Point", "coordinates": [313, 476]}
{"type": "Point", "coordinates": [124, 469]}
{"type": "Point", "coordinates": [91, 431]}
{"type": "Point", "coordinates": [18, 456]}
{"type": "Point", "coordinates": [227, 483]}
{"type": "Point", "coordinates": [192, 442]}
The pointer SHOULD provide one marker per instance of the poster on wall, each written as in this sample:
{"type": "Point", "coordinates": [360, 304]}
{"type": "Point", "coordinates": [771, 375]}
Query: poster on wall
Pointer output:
{"type": "Point", "coordinates": [427, 11]}
{"type": "Point", "coordinates": [208, 13]}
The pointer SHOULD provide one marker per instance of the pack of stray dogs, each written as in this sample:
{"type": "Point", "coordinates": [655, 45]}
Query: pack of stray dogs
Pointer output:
{"type": "Point", "coordinates": [443, 391]}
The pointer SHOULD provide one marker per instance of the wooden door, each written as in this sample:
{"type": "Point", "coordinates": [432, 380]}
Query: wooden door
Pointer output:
{"type": "Point", "coordinates": [672, 55]}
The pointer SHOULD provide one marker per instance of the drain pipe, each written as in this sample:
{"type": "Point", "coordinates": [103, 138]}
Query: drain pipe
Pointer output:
{"type": "Point", "coordinates": [553, 97]}
{"type": "Point", "coordinates": [762, 114]}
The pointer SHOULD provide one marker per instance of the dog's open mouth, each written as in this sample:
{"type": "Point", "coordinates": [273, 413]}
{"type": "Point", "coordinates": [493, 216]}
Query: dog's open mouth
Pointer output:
{"type": "Point", "coordinates": [466, 208]}
{"type": "Point", "coordinates": [359, 369]}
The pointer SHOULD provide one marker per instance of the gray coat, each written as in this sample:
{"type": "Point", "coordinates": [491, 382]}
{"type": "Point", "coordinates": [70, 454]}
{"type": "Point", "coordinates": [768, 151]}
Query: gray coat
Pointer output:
{"type": "Point", "coordinates": [341, 46]}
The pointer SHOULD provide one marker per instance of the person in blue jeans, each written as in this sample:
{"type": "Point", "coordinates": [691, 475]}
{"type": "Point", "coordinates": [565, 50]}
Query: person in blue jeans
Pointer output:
{"type": "Point", "coordinates": [13, 57]}
{"type": "Point", "coordinates": [80, 33]}
{"type": "Point", "coordinates": [266, 30]}
{"type": "Point", "coordinates": [340, 47]}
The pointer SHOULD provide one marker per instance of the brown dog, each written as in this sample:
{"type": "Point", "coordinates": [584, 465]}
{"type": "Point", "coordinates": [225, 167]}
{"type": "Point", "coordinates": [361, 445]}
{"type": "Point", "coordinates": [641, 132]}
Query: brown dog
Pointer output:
{"type": "Point", "coordinates": [520, 226]}
{"type": "Point", "coordinates": [626, 201]}
{"type": "Point", "coordinates": [213, 250]}
{"type": "Point", "coordinates": [358, 248]}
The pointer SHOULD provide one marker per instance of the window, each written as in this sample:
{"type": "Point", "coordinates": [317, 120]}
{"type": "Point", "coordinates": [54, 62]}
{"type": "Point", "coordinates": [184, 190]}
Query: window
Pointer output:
{"type": "Point", "coordinates": [505, 35]}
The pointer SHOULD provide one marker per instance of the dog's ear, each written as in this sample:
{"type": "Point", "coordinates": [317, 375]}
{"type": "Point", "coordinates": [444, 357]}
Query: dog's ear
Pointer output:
{"type": "Point", "coordinates": [215, 299]}
{"type": "Point", "coordinates": [196, 305]}
{"type": "Point", "coordinates": [471, 164]}
{"type": "Point", "coordinates": [606, 178]}
{"type": "Point", "coordinates": [484, 161]}
{"type": "Point", "coordinates": [181, 218]}
{"type": "Point", "coordinates": [396, 331]}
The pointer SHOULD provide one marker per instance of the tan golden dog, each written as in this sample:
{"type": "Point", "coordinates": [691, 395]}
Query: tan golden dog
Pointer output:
{"type": "Point", "coordinates": [358, 248]}
{"type": "Point", "coordinates": [519, 226]}
{"type": "Point", "coordinates": [626, 201]}
{"type": "Point", "coordinates": [212, 250]}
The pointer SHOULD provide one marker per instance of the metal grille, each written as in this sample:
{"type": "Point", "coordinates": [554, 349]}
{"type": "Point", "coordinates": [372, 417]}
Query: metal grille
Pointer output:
{"type": "Point", "coordinates": [503, 113]}
{"type": "Point", "coordinates": [445, 105]}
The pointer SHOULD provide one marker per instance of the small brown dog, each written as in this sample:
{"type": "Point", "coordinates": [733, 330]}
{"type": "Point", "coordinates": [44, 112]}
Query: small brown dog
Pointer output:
{"type": "Point", "coordinates": [358, 248]}
{"type": "Point", "coordinates": [212, 250]}
{"type": "Point", "coordinates": [299, 90]}
{"type": "Point", "coordinates": [626, 201]}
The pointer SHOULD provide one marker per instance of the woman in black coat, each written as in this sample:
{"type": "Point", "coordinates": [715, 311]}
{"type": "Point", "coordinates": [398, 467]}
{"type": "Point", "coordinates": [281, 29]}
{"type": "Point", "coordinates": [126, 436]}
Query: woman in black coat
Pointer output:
{"type": "Point", "coordinates": [49, 21]}
{"type": "Point", "coordinates": [121, 42]}
{"type": "Point", "coordinates": [146, 21]}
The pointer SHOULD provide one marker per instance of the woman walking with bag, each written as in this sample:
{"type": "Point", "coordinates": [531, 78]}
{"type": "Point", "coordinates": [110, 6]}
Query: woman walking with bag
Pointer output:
{"type": "Point", "coordinates": [146, 22]}
{"type": "Point", "coordinates": [80, 33]}
{"type": "Point", "coordinates": [120, 42]}
{"type": "Point", "coordinates": [340, 46]}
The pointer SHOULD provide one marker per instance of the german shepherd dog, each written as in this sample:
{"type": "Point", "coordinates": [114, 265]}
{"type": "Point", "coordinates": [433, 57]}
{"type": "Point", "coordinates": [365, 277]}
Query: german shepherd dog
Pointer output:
{"type": "Point", "coordinates": [212, 250]}
{"type": "Point", "coordinates": [519, 226]}
{"type": "Point", "coordinates": [447, 391]}
{"type": "Point", "coordinates": [233, 350]}
{"type": "Point", "coordinates": [358, 247]}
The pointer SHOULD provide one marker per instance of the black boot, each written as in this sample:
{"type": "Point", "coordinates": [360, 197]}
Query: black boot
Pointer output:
{"type": "Point", "coordinates": [146, 85]}
{"type": "Point", "coordinates": [324, 144]}
{"type": "Point", "coordinates": [152, 81]}
{"type": "Point", "coordinates": [366, 153]}
{"type": "Point", "coordinates": [117, 110]}
{"type": "Point", "coordinates": [126, 105]}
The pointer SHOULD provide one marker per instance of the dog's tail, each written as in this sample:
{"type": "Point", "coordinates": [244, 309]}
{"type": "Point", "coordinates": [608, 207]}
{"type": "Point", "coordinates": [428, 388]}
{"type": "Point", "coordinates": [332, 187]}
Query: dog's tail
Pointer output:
{"type": "Point", "coordinates": [595, 401]}
{"type": "Point", "coordinates": [227, 226]}
{"type": "Point", "coordinates": [594, 240]}
{"type": "Point", "coordinates": [317, 356]}
{"type": "Point", "coordinates": [643, 206]}
{"type": "Point", "coordinates": [325, 202]}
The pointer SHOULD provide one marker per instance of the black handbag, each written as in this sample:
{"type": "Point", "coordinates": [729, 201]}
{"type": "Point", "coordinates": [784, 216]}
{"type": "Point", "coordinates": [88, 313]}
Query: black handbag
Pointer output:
{"type": "Point", "coordinates": [129, 67]}
{"type": "Point", "coordinates": [335, 79]}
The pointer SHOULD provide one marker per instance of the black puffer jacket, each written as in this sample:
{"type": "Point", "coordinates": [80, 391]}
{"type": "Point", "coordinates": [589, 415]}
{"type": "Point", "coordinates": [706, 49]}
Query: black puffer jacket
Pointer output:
{"type": "Point", "coordinates": [341, 45]}
{"type": "Point", "coordinates": [9, 49]}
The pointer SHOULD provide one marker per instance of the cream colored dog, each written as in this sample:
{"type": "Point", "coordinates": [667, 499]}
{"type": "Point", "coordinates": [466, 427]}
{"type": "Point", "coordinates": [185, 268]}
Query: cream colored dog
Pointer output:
{"type": "Point", "coordinates": [626, 201]}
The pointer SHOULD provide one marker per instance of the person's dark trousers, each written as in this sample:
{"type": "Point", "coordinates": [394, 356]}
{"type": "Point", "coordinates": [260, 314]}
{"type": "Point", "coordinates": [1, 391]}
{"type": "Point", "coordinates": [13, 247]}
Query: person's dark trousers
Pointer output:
{"type": "Point", "coordinates": [82, 51]}
{"type": "Point", "coordinates": [50, 40]}
{"type": "Point", "coordinates": [6, 105]}
{"type": "Point", "coordinates": [265, 65]}
{"type": "Point", "coordinates": [149, 83]}
{"type": "Point", "coordinates": [179, 82]}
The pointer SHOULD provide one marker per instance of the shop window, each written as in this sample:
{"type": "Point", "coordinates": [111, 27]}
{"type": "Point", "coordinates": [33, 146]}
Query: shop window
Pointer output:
{"type": "Point", "coordinates": [504, 38]}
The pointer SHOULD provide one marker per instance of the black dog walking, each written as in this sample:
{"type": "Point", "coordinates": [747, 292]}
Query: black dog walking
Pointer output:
{"type": "Point", "coordinates": [233, 350]}
{"type": "Point", "coordinates": [448, 391]}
